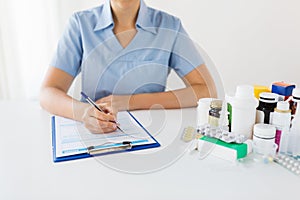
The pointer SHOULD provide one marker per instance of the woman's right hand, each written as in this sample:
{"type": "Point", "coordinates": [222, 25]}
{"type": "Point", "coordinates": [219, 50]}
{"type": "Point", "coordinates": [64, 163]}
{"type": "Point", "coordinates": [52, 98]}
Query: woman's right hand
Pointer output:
{"type": "Point", "coordinates": [99, 122]}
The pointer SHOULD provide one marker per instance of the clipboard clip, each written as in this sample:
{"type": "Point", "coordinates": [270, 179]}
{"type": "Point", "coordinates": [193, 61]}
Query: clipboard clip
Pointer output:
{"type": "Point", "coordinates": [94, 150]}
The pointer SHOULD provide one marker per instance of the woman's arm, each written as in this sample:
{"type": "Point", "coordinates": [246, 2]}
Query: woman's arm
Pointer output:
{"type": "Point", "coordinates": [199, 84]}
{"type": "Point", "coordinates": [54, 99]}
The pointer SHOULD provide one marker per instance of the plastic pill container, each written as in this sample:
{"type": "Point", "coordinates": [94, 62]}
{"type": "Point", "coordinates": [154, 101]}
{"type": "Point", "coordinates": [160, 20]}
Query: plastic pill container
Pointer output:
{"type": "Point", "coordinates": [295, 101]}
{"type": "Point", "coordinates": [203, 111]}
{"type": "Point", "coordinates": [267, 104]}
{"type": "Point", "coordinates": [242, 110]}
{"type": "Point", "coordinates": [215, 113]}
{"type": "Point", "coordinates": [264, 135]}
{"type": "Point", "coordinates": [281, 120]}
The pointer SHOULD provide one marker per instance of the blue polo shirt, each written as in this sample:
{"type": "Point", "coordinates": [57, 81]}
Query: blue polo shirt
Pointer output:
{"type": "Point", "coordinates": [88, 45]}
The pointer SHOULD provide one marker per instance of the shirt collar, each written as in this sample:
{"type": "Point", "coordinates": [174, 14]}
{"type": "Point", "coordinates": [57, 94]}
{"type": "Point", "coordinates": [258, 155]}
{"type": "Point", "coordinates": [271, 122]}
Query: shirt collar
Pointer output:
{"type": "Point", "coordinates": [143, 20]}
{"type": "Point", "coordinates": [105, 19]}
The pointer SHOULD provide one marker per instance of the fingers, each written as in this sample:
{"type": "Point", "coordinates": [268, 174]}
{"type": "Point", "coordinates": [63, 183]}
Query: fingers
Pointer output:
{"type": "Point", "coordinates": [98, 126]}
{"type": "Point", "coordinates": [106, 108]}
{"type": "Point", "coordinates": [99, 122]}
{"type": "Point", "coordinates": [114, 103]}
{"type": "Point", "coordinates": [101, 115]}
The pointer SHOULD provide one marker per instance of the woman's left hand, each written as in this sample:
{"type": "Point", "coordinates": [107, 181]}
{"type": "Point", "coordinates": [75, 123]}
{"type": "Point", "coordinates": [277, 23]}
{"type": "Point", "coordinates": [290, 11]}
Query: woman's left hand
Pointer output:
{"type": "Point", "coordinates": [116, 102]}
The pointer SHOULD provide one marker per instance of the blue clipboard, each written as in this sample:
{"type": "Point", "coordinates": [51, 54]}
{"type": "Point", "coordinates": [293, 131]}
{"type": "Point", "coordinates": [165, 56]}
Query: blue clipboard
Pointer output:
{"type": "Point", "coordinates": [87, 155]}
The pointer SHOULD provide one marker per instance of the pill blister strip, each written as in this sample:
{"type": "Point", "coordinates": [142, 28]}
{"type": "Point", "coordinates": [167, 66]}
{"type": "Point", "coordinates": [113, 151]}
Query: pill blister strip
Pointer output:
{"type": "Point", "coordinates": [189, 134]}
{"type": "Point", "coordinates": [222, 134]}
{"type": "Point", "coordinates": [289, 163]}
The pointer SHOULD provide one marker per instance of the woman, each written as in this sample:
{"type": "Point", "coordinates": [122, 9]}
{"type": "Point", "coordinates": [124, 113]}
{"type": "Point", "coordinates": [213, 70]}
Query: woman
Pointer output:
{"type": "Point", "coordinates": [125, 51]}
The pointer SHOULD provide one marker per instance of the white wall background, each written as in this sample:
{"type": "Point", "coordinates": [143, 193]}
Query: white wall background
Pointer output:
{"type": "Point", "coordinates": [250, 41]}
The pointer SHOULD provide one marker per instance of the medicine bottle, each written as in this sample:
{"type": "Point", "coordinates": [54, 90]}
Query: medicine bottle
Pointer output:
{"type": "Point", "coordinates": [215, 113]}
{"type": "Point", "coordinates": [281, 119]}
{"type": "Point", "coordinates": [264, 135]}
{"type": "Point", "coordinates": [203, 111]}
{"type": "Point", "coordinates": [267, 104]}
{"type": "Point", "coordinates": [242, 110]}
{"type": "Point", "coordinates": [293, 148]}
{"type": "Point", "coordinates": [295, 101]}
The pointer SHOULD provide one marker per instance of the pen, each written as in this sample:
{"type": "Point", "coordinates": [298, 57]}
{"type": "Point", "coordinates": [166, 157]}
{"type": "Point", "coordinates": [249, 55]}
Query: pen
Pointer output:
{"type": "Point", "coordinates": [90, 101]}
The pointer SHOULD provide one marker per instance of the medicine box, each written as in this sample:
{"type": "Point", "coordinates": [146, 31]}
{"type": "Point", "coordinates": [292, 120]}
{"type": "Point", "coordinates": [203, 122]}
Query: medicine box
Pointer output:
{"type": "Point", "coordinates": [223, 150]}
{"type": "Point", "coordinates": [283, 88]}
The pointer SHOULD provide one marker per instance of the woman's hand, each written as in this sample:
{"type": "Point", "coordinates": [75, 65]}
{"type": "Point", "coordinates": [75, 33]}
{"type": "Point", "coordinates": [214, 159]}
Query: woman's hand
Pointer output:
{"type": "Point", "coordinates": [199, 84]}
{"type": "Point", "coordinates": [116, 102]}
{"type": "Point", "coordinates": [99, 122]}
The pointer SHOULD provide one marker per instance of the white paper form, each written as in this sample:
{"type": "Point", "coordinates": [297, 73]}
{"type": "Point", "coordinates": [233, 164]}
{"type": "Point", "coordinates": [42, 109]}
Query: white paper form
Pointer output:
{"type": "Point", "coordinates": [73, 138]}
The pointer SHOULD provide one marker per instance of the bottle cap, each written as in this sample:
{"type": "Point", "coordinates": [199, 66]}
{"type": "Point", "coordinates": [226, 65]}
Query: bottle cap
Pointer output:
{"type": "Point", "coordinates": [244, 97]}
{"type": "Point", "coordinates": [205, 101]}
{"type": "Point", "coordinates": [264, 131]}
{"type": "Point", "coordinates": [244, 91]}
{"type": "Point", "coordinates": [283, 106]}
{"type": "Point", "coordinates": [216, 104]}
{"type": "Point", "coordinates": [268, 97]}
{"type": "Point", "coordinates": [296, 94]}
{"type": "Point", "coordinates": [259, 89]}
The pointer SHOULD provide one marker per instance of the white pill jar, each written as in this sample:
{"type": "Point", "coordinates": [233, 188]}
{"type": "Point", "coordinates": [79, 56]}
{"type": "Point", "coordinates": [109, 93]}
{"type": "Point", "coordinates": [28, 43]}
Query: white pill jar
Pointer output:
{"type": "Point", "coordinates": [263, 136]}
{"type": "Point", "coordinates": [203, 111]}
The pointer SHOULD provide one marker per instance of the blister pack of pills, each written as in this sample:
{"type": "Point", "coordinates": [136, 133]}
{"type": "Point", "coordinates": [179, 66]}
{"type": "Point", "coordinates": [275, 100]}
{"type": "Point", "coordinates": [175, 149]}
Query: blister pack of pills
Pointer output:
{"type": "Point", "coordinates": [221, 134]}
{"type": "Point", "coordinates": [189, 134]}
{"type": "Point", "coordinates": [289, 163]}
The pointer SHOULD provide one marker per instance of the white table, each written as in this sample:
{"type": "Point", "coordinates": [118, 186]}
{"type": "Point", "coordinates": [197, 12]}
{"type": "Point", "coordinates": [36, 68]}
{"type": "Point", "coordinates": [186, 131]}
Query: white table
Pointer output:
{"type": "Point", "coordinates": [28, 172]}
